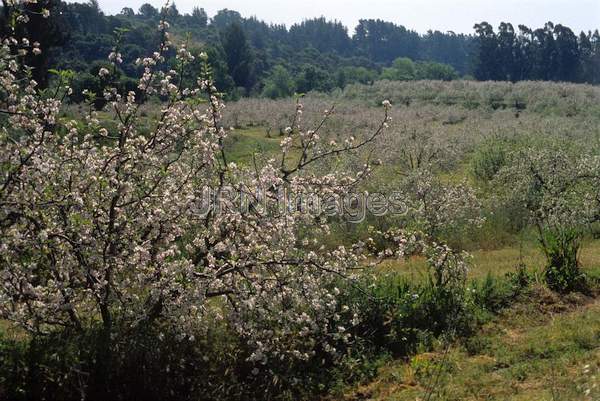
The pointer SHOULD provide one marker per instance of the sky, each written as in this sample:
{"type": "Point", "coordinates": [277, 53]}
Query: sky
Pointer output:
{"type": "Point", "coordinates": [420, 15]}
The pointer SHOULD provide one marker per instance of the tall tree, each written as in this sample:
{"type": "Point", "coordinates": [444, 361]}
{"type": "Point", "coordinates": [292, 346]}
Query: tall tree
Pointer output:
{"type": "Point", "coordinates": [486, 56]}
{"type": "Point", "coordinates": [42, 27]}
{"type": "Point", "coordinates": [447, 48]}
{"type": "Point", "coordinates": [148, 11]}
{"type": "Point", "coordinates": [524, 54]}
{"type": "Point", "coordinates": [172, 14]}
{"type": "Point", "coordinates": [219, 70]}
{"type": "Point", "coordinates": [586, 53]}
{"type": "Point", "coordinates": [323, 35]}
{"type": "Point", "coordinates": [238, 56]}
{"type": "Point", "coordinates": [225, 18]}
{"type": "Point", "coordinates": [312, 78]}
{"type": "Point", "coordinates": [385, 41]}
{"type": "Point", "coordinates": [199, 17]}
{"type": "Point", "coordinates": [596, 57]}
{"type": "Point", "coordinates": [544, 53]}
{"type": "Point", "coordinates": [567, 54]}
{"type": "Point", "coordinates": [507, 46]}
{"type": "Point", "coordinates": [127, 12]}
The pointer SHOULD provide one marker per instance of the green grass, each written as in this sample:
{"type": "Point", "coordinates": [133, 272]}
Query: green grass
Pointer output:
{"type": "Point", "coordinates": [498, 262]}
{"type": "Point", "coordinates": [244, 144]}
{"type": "Point", "coordinates": [540, 349]}
{"type": "Point", "coordinates": [543, 347]}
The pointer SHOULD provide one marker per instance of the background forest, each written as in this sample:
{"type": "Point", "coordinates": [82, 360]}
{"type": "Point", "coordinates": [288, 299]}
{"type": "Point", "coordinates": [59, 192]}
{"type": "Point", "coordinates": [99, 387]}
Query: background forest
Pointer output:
{"type": "Point", "coordinates": [252, 58]}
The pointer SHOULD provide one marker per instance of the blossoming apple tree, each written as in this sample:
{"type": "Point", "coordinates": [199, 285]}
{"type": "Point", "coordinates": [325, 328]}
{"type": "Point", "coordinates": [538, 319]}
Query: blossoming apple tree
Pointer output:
{"type": "Point", "coordinates": [105, 225]}
{"type": "Point", "coordinates": [102, 223]}
{"type": "Point", "coordinates": [559, 191]}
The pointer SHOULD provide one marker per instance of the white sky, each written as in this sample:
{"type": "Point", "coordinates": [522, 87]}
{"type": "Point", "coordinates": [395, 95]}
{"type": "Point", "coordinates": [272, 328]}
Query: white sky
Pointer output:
{"type": "Point", "coordinates": [420, 15]}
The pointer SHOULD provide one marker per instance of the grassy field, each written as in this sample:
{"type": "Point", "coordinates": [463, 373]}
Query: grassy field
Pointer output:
{"type": "Point", "coordinates": [543, 348]}
{"type": "Point", "coordinates": [242, 145]}
{"type": "Point", "coordinates": [498, 262]}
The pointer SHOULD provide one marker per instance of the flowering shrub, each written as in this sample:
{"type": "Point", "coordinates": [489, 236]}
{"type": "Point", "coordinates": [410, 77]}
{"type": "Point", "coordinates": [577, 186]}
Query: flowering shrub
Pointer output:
{"type": "Point", "coordinates": [438, 208]}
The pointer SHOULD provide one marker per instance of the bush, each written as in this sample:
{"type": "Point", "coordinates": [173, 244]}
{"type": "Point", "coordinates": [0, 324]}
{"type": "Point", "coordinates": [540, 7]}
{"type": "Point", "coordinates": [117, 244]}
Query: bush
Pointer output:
{"type": "Point", "coordinates": [279, 84]}
{"type": "Point", "coordinates": [397, 317]}
{"type": "Point", "coordinates": [562, 273]}
{"type": "Point", "coordinates": [488, 160]}
{"type": "Point", "coordinates": [520, 279]}
{"type": "Point", "coordinates": [151, 365]}
{"type": "Point", "coordinates": [493, 294]}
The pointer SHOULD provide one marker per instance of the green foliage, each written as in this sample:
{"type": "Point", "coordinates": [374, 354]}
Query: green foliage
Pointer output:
{"type": "Point", "coordinates": [313, 78]}
{"type": "Point", "coordinates": [489, 295]}
{"type": "Point", "coordinates": [385, 41]}
{"type": "Point", "coordinates": [148, 11]}
{"type": "Point", "coordinates": [488, 160]}
{"type": "Point", "coordinates": [520, 279]}
{"type": "Point", "coordinates": [238, 55]}
{"type": "Point", "coordinates": [397, 317]}
{"type": "Point", "coordinates": [350, 75]}
{"type": "Point", "coordinates": [552, 52]}
{"type": "Point", "coordinates": [404, 69]}
{"type": "Point", "coordinates": [436, 71]}
{"type": "Point", "coordinates": [493, 293]}
{"type": "Point", "coordinates": [562, 272]}
{"type": "Point", "coordinates": [254, 48]}
{"type": "Point", "coordinates": [323, 35]}
{"type": "Point", "coordinates": [151, 364]}
{"type": "Point", "coordinates": [219, 69]}
{"type": "Point", "coordinates": [280, 83]}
